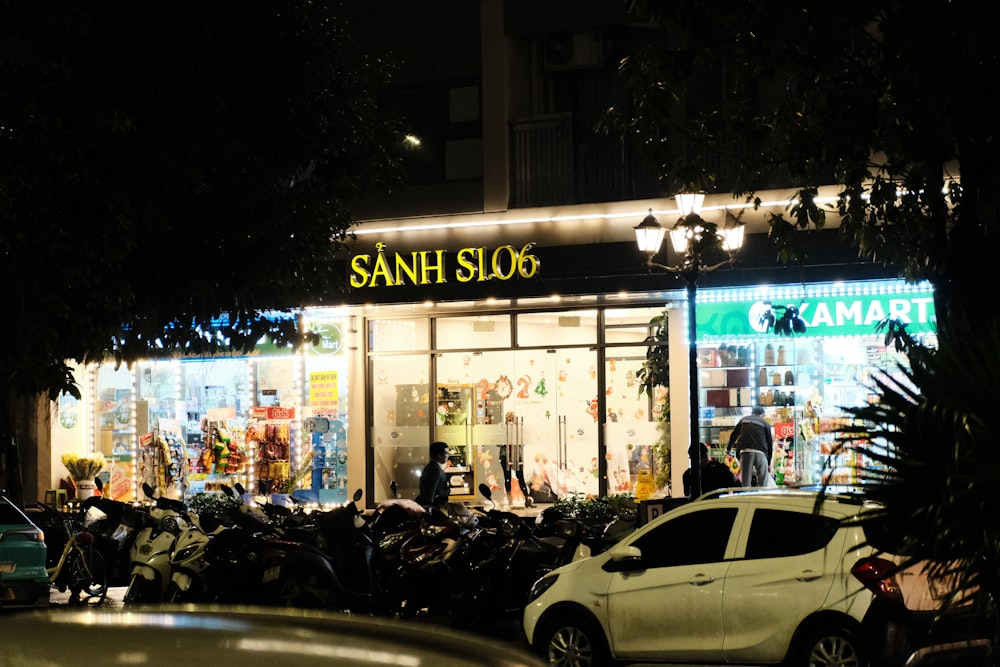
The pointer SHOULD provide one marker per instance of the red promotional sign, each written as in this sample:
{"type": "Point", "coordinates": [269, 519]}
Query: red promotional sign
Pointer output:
{"type": "Point", "coordinates": [274, 412]}
{"type": "Point", "coordinates": [784, 430]}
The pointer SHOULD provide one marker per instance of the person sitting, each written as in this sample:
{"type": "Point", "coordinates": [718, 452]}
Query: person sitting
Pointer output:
{"type": "Point", "coordinates": [714, 475]}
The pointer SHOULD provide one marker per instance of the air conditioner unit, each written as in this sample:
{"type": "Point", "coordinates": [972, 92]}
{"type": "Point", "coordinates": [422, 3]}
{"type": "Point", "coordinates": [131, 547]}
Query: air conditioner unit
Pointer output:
{"type": "Point", "coordinates": [572, 50]}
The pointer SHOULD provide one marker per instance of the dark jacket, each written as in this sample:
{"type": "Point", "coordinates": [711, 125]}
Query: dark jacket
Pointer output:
{"type": "Point", "coordinates": [714, 475]}
{"type": "Point", "coordinates": [434, 487]}
{"type": "Point", "coordinates": [752, 432]}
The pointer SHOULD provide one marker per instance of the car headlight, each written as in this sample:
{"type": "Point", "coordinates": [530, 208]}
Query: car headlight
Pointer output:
{"type": "Point", "coordinates": [541, 586]}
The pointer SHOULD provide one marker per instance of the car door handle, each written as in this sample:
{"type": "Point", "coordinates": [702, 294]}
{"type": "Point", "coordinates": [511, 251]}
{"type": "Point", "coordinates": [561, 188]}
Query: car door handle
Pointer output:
{"type": "Point", "coordinates": [808, 576]}
{"type": "Point", "coordinates": [701, 580]}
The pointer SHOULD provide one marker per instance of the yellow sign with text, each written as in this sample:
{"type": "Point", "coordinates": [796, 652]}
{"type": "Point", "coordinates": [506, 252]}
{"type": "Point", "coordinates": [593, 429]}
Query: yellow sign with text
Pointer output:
{"type": "Point", "coordinates": [424, 267]}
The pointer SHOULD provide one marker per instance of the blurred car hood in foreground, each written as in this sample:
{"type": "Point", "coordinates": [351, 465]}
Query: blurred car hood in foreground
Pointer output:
{"type": "Point", "coordinates": [168, 636]}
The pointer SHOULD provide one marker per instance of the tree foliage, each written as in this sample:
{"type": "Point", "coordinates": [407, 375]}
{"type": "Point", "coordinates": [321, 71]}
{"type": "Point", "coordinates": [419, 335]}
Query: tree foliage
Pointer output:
{"type": "Point", "coordinates": [930, 458]}
{"type": "Point", "coordinates": [169, 170]}
{"type": "Point", "coordinates": [883, 100]}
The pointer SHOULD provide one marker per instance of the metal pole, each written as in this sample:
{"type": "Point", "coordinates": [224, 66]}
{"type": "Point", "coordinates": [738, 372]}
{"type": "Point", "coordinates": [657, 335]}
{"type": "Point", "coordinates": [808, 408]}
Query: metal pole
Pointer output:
{"type": "Point", "coordinates": [691, 275]}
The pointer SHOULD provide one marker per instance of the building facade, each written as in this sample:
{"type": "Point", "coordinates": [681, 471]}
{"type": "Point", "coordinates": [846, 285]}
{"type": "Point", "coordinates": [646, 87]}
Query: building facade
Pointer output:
{"type": "Point", "coordinates": [499, 302]}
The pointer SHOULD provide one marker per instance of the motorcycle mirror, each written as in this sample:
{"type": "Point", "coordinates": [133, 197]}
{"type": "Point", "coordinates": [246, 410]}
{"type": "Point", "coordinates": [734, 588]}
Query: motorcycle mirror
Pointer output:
{"type": "Point", "coordinates": [147, 489]}
{"type": "Point", "coordinates": [357, 495]}
{"type": "Point", "coordinates": [226, 489]}
{"type": "Point", "coordinates": [100, 484]}
{"type": "Point", "coordinates": [485, 490]}
{"type": "Point", "coordinates": [240, 489]}
{"type": "Point", "coordinates": [394, 488]}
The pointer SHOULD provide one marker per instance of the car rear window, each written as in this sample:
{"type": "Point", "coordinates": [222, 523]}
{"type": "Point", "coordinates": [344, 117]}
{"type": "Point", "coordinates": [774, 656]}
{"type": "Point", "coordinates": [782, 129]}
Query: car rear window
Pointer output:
{"type": "Point", "coordinates": [780, 533]}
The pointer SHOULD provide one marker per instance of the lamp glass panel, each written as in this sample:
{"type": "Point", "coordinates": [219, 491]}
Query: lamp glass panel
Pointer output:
{"type": "Point", "coordinates": [649, 238]}
{"type": "Point", "coordinates": [679, 239]}
{"type": "Point", "coordinates": [732, 238]}
{"type": "Point", "coordinates": [689, 202]}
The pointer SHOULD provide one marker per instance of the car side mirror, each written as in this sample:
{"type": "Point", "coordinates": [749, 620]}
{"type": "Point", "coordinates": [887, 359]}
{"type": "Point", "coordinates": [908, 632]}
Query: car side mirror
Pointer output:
{"type": "Point", "coordinates": [624, 558]}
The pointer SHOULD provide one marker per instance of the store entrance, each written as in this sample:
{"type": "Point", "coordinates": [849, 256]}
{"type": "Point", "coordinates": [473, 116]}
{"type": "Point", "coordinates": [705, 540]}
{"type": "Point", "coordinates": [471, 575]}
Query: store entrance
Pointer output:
{"type": "Point", "coordinates": [526, 417]}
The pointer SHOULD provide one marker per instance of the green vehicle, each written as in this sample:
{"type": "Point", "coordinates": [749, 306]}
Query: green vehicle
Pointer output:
{"type": "Point", "coordinates": [23, 579]}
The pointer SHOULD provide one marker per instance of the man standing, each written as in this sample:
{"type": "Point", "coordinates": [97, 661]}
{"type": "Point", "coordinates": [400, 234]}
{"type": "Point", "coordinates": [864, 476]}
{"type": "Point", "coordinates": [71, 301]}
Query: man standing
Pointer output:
{"type": "Point", "coordinates": [754, 445]}
{"type": "Point", "coordinates": [434, 487]}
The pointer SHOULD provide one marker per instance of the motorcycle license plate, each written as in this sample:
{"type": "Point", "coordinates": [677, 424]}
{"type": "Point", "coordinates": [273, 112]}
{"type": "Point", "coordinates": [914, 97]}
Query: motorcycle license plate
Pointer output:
{"type": "Point", "coordinates": [272, 574]}
{"type": "Point", "coordinates": [7, 568]}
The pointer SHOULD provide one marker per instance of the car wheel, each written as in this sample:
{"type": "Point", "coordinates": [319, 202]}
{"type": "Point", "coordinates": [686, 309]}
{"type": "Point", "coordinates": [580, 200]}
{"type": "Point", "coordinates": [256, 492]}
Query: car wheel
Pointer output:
{"type": "Point", "coordinates": [832, 647]}
{"type": "Point", "coordinates": [572, 641]}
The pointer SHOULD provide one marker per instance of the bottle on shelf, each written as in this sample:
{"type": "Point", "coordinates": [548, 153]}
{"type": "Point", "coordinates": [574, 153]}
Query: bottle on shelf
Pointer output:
{"type": "Point", "coordinates": [769, 357]}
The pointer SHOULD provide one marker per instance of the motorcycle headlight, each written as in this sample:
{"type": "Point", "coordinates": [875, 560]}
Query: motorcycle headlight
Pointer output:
{"type": "Point", "coordinates": [185, 553]}
{"type": "Point", "coordinates": [540, 586]}
{"type": "Point", "coordinates": [432, 529]}
{"type": "Point", "coordinates": [509, 528]}
{"type": "Point", "coordinates": [171, 524]}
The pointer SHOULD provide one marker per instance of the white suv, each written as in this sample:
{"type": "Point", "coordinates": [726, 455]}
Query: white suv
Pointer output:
{"type": "Point", "coordinates": [754, 576]}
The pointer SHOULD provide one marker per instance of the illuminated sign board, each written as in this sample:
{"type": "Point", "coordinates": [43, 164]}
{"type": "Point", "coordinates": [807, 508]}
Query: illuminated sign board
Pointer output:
{"type": "Point", "coordinates": [837, 315]}
{"type": "Point", "coordinates": [425, 267]}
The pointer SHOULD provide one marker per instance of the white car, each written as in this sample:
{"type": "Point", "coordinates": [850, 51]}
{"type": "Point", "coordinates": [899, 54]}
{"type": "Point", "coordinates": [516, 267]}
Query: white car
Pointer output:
{"type": "Point", "coordinates": [754, 576]}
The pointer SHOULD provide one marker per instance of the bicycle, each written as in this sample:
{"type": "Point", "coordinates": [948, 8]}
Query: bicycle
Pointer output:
{"type": "Point", "coordinates": [80, 567]}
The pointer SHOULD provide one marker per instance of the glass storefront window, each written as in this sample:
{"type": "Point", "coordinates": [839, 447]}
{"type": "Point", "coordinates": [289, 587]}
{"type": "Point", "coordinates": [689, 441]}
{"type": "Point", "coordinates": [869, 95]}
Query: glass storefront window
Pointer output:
{"type": "Point", "coordinates": [628, 325]}
{"type": "Point", "coordinates": [477, 331]}
{"type": "Point", "coordinates": [402, 335]}
{"type": "Point", "coordinates": [573, 327]}
{"type": "Point", "coordinates": [113, 411]}
{"type": "Point", "coordinates": [400, 430]}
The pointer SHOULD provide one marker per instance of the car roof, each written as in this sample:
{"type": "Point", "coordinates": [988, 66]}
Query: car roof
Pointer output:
{"type": "Point", "coordinates": [840, 501]}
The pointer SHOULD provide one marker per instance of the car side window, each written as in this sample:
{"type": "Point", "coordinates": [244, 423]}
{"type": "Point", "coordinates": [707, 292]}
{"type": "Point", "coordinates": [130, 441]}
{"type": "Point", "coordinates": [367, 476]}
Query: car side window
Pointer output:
{"type": "Point", "coordinates": [696, 537]}
{"type": "Point", "coordinates": [780, 534]}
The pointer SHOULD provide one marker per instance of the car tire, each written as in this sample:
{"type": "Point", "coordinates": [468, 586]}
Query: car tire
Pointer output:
{"type": "Point", "coordinates": [572, 640]}
{"type": "Point", "coordinates": [831, 646]}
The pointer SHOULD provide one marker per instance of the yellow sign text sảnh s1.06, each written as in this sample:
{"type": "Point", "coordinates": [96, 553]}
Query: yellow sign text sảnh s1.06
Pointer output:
{"type": "Point", "coordinates": [423, 267]}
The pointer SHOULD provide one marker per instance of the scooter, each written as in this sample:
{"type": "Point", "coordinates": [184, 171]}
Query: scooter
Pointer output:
{"type": "Point", "coordinates": [502, 560]}
{"type": "Point", "coordinates": [115, 525]}
{"type": "Point", "coordinates": [431, 566]}
{"type": "Point", "coordinates": [187, 559]}
{"type": "Point", "coordinates": [150, 552]}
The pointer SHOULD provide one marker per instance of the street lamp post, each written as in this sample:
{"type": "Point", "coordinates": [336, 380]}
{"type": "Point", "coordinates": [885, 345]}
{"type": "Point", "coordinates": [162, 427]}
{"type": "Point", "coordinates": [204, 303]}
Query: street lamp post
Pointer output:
{"type": "Point", "coordinates": [691, 237]}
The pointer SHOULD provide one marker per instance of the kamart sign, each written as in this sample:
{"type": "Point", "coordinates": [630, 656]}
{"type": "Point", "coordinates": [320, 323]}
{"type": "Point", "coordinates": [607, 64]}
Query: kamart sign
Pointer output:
{"type": "Point", "coordinates": [846, 315]}
{"type": "Point", "coordinates": [424, 267]}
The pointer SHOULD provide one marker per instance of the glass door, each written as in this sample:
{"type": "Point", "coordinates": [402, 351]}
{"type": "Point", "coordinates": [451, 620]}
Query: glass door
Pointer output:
{"type": "Point", "coordinates": [524, 415]}
{"type": "Point", "coordinates": [555, 406]}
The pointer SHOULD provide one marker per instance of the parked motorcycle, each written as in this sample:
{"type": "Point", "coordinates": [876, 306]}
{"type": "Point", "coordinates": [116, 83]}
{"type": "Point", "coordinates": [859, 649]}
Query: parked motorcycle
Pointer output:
{"type": "Point", "coordinates": [151, 549]}
{"type": "Point", "coordinates": [115, 525]}
{"type": "Point", "coordinates": [188, 564]}
{"type": "Point", "coordinates": [430, 567]}
{"type": "Point", "coordinates": [503, 558]}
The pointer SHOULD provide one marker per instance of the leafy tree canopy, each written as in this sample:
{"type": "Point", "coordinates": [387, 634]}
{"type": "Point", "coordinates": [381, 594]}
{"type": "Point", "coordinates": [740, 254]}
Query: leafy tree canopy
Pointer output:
{"type": "Point", "coordinates": [884, 99]}
{"type": "Point", "coordinates": [165, 163]}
